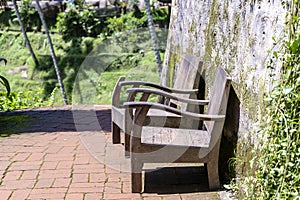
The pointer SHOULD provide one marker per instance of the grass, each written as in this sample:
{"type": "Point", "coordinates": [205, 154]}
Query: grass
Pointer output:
{"type": "Point", "coordinates": [92, 87]}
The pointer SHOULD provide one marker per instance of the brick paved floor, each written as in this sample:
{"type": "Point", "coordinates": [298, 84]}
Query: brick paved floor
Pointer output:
{"type": "Point", "coordinates": [66, 153]}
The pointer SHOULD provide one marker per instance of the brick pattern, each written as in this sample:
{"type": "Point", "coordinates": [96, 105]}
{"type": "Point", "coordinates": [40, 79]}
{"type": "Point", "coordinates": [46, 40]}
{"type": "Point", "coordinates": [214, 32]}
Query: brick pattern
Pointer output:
{"type": "Point", "coordinates": [49, 160]}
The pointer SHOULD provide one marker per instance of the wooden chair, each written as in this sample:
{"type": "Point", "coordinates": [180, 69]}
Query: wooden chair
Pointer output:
{"type": "Point", "coordinates": [185, 85]}
{"type": "Point", "coordinates": [152, 144]}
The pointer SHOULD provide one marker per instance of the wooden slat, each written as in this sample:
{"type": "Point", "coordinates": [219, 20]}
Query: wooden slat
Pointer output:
{"type": "Point", "coordinates": [117, 92]}
{"type": "Point", "coordinates": [117, 115]}
{"type": "Point", "coordinates": [152, 112]}
{"type": "Point", "coordinates": [157, 86]}
{"type": "Point", "coordinates": [175, 98]}
{"type": "Point", "coordinates": [156, 118]}
{"type": "Point", "coordinates": [169, 109]}
{"type": "Point", "coordinates": [175, 137]}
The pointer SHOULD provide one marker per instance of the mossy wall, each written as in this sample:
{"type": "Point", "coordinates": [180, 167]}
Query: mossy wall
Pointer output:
{"type": "Point", "coordinates": [237, 35]}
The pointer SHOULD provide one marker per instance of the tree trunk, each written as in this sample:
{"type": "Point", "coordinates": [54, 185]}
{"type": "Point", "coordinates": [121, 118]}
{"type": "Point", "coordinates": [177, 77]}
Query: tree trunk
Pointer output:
{"type": "Point", "coordinates": [153, 37]}
{"type": "Point", "coordinates": [52, 52]}
{"type": "Point", "coordinates": [36, 62]}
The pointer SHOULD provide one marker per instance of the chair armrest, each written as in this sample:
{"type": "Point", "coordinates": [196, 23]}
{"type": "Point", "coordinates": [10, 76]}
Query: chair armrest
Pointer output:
{"type": "Point", "coordinates": [192, 115]}
{"type": "Point", "coordinates": [157, 86]}
{"type": "Point", "coordinates": [121, 82]}
{"type": "Point", "coordinates": [133, 92]}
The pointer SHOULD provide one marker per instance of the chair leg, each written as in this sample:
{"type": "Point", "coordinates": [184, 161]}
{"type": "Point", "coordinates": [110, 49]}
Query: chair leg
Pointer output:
{"type": "Point", "coordinates": [213, 174]}
{"type": "Point", "coordinates": [136, 176]}
{"type": "Point", "coordinates": [127, 144]}
{"type": "Point", "coordinates": [116, 133]}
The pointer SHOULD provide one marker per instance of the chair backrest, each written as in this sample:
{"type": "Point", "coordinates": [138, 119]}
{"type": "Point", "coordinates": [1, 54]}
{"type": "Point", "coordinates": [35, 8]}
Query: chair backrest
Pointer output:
{"type": "Point", "coordinates": [218, 102]}
{"type": "Point", "coordinates": [188, 75]}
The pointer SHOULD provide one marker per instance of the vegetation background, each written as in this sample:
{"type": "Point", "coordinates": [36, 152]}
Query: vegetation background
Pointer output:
{"type": "Point", "coordinates": [120, 42]}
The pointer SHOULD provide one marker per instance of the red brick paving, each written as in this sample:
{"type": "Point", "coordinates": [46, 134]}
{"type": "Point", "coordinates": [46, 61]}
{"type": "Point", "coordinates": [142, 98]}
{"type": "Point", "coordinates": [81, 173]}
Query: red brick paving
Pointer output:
{"type": "Point", "coordinates": [48, 159]}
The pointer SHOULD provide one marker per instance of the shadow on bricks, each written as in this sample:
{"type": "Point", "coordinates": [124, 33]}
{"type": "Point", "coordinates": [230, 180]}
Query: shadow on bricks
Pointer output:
{"type": "Point", "coordinates": [50, 119]}
{"type": "Point", "coordinates": [172, 180]}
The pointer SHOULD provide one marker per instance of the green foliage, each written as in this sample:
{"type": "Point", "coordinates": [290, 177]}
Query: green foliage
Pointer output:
{"type": "Point", "coordinates": [279, 167]}
{"type": "Point", "coordinates": [160, 16]}
{"type": "Point", "coordinates": [126, 22]}
{"type": "Point", "coordinates": [128, 51]}
{"type": "Point", "coordinates": [106, 82]}
{"type": "Point", "coordinates": [126, 54]}
{"type": "Point", "coordinates": [21, 100]}
{"type": "Point", "coordinates": [28, 15]}
{"type": "Point", "coordinates": [3, 80]}
{"type": "Point", "coordinates": [13, 46]}
{"type": "Point", "coordinates": [125, 61]}
{"type": "Point", "coordinates": [77, 22]}
{"type": "Point", "coordinates": [136, 19]}
{"type": "Point", "coordinates": [5, 18]}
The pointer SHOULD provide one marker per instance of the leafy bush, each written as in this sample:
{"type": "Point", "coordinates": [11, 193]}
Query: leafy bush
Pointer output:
{"type": "Point", "coordinates": [21, 100]}
{"type": "Point", "coordinates": [160, 16]}
{"type": "Point", "coordinates": [136, 19]}
{"type": "Point", "coordinates": [125, 22]}
{"type": "Point", "coordinates": [28, 16]}
{"type": "Point", "coordinates": [77, 22]}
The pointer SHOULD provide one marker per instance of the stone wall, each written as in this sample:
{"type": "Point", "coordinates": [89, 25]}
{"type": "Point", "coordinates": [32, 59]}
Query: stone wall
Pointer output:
{"type": "Point", "coordinates": [238, 35]}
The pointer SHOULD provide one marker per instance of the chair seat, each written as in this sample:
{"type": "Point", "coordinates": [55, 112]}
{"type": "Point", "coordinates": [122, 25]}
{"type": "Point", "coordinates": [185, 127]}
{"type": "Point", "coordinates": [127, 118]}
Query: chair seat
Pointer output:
{"type": "Point", "coordinates": [175, 137]}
